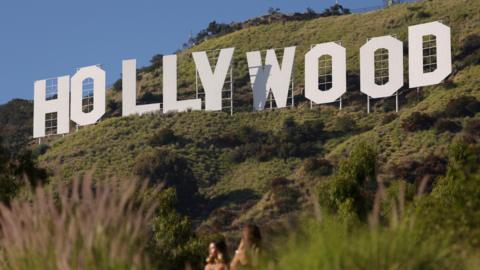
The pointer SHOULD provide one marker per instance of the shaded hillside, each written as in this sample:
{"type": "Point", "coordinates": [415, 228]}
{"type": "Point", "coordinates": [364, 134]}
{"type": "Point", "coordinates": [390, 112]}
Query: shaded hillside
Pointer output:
{"type": "Point", "coordinates": [16, 118]}
{"type": "Point", "coordinates": [250, 166]}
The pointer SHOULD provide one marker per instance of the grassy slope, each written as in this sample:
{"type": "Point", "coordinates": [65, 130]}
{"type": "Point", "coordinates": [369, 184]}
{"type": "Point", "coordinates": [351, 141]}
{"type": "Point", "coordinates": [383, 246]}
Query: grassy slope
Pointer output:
{"type": "Point", "coordinates": [112, 145]}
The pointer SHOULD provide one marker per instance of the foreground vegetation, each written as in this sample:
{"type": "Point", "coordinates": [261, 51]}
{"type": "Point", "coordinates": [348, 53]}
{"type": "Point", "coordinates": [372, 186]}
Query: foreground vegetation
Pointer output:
{"type": "Point", "coordinates": [355, 222]}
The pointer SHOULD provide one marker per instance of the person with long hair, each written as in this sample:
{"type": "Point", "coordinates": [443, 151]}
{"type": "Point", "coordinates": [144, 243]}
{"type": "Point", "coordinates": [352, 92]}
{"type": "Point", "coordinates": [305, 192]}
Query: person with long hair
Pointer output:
{"type": "Point", "coordinates": [217, 256]}
{"type": "Point", "coordinates": [247, 256]}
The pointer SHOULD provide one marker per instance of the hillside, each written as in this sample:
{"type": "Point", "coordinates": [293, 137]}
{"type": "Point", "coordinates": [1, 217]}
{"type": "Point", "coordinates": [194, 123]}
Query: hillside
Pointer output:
{"type": "Point", "coordinates": [241, 162]}
{"type": "Point", "coordinates": [16, 118]}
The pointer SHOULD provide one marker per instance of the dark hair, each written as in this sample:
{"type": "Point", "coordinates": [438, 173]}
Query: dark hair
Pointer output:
{"type": "Point", "coordinates": [221, 246]}
{"type": "Point", "coordinates": [252, 236]}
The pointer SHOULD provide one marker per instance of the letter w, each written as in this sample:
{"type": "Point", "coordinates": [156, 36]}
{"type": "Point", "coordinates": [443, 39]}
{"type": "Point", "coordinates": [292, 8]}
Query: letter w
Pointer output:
{"type": "Point", "coordinates": [270, 77]}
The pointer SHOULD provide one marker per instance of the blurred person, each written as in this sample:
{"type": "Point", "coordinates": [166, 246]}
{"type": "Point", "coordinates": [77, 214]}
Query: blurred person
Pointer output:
{"type": "Point", "coordinates": [217, 256]}
{"type": "Point", "coordinates": [247, 256]}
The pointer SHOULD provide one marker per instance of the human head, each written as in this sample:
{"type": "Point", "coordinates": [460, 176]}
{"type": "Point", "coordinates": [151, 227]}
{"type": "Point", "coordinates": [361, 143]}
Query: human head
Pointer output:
{"type": "Point", "coordinates": [251, 236]}
{"type": "Point", "coordinates": [218, 251]}
{"type": "Point", "coordinates": [212, 249]}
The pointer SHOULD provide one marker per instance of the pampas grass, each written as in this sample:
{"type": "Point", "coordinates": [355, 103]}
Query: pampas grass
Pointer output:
{"type": "Point", "coordinates": [77, 226]}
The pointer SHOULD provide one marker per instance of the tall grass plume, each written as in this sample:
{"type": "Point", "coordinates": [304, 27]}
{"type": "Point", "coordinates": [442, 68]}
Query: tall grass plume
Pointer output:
{"type": "Point", "coordinates": [80, 225]}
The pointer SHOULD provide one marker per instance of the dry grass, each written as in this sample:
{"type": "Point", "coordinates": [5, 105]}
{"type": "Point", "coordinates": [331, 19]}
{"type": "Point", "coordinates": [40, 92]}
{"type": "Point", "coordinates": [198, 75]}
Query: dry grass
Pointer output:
{"type": "Point", "coordinates": [77, 226]}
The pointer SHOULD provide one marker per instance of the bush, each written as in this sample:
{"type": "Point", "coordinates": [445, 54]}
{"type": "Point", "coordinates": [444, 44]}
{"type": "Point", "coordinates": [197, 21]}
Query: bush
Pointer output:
{"type": "Point", "coordinates": [15, 170]}
{"type": "Point", "coordinates": [388, 118]}
{"type": "Point", "coordinates": [242, 136]}
{"type": "Point", "coordinates": [40, 150]}
{"type": "Point", "coordinates": [470, 44]}
{"type": "Point", "coordinates": [472, 127]}
{"type": "Point", "coordinates": [117, 86]}
{"type": "Point", "coordinates": [417, 121]}
{"type": "Point", "coordinates": [114, 108]}
{"type": "Point", "coordinates": [293, 140]}
{"type": "Point", "coordinates": [355, 180]}
{"type": "Point", "coordinates": [149, 97]}
{"type": "Point", "coordinates": [464, 106]}
{"type": "Point", "coordinates": [415, 172]}
{"type": "Point", "coordinates": [335, 10]}
{"type": "Point", "coordinates": [423, 14]}
{"type": "Point", "coordinates": [163, 137]}
{"type": "Point", "coordinates": [446, 125]}
{"type": "Point", "coordinates": [318, 166]}
{"type": "Point", "coordinates": [165, 167]}
{"type": "Point", "coordinates": [174, 244]}
{"type": "Point", "coordinates": [453, 208]}
{"type": "Point", "coordinates": [345, 124]}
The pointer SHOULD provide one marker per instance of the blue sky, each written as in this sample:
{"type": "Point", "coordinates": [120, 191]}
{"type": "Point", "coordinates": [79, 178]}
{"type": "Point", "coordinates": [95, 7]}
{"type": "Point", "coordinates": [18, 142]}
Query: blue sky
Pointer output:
{"type": "Point", "coordinates": [50, 38]}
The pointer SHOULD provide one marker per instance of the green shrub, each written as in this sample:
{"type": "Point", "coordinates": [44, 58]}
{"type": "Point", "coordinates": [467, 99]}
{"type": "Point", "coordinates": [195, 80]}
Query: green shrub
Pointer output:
{"type": "Point", "coordinates": [472, 127]}
{"type": "Point", "coordinates": [464, 106]}
{"type": "Point", "coordinates": [163, 137]}
{"type": "Point", "coordinates": [174, 244]}
{"type": "Point", "coordinates": [355, 179]}
{"type": "Point", "coordinates": [114, 109]}
{"type": "Point", "coordinates": [446, 125]}
{"type": "Point", "coordinates": [166, 167]}
{"type": "Point", "coordinates": [117, 86]}
{"type": "Point", "coordinates": [389, 117]}
{"type": "Point", "coordinates": [416, 171]}
{"type": "Point", "coordinates": [318, 166]}
{"type": "Point", "coordinates": [423, 14]}
{"type": "Point", "coordinates": [149, 97]}
{"type": "Point", "coordinates": [469, 45]}
{"type": "Point", "coordinates": [417, 121]}
{"type": "Point", "coordinates": [40, 150]}
{"type": "Point", "coordinates": [345, 124]}
{"type": "Point", "coordinates": [453, 208]}
{"type": "Point", "coordinates": [16, 171]}
{"type": "Point", "coordinates": [293, 140]}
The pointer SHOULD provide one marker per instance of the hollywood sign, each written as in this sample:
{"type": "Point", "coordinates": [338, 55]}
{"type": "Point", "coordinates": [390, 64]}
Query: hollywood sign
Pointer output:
{"type": "Point", "coordinates": [268, 77]}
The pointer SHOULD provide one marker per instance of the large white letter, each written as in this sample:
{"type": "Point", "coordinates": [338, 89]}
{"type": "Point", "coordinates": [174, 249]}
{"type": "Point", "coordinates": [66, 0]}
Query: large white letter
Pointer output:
{"type": "Point", "coordinates": [59, 104]}
{"type": "Point", "coordinates": [417, 76]}
{"type": "Point", "coordinates": [82, 79]}
{"type": "Point", "coordinates": [395, 67]}
{"type": "Point", "coordinates": [213, 82]}
{"type": "Point", "coordinates": [339, 73]}
{"type": "Point", "coordinates": [170, 102]}
{"type": "Point", "coordinates": [129, 91]}
{"type": "Point", "coordinates": [270, 77]}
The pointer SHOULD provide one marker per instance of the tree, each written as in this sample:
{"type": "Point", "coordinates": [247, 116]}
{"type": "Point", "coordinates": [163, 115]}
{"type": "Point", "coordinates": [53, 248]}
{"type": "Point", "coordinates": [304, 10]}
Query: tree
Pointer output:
{"type": "Point", "coordinates": [273, 11]}
{"type": "Point", "coordinates": [354, 183]}
{"type": "Point", "coordinates": [453, 207]}
{"type": "Point", "coordinates": [15, 171]}
{"type": "Point", "coordinates": [157, 61]}
{"type": "Point", "coordinates": [389, 3]}
{"type": "Point", "coordinates": [174, 243]}
{"type": "Point", "coordinates": [335, 10]}
{"type": "Point", "coordinates": [165, 167]}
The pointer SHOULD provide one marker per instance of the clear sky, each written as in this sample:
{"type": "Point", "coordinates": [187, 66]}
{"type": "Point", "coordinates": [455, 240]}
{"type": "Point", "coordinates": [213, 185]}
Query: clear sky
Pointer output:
{"type": "Point", "coordinates": [49, 38]}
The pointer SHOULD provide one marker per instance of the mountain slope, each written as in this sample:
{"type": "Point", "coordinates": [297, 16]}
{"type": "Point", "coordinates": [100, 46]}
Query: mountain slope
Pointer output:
{"type": "Point", "coordinates": [16, 118]}
{"type": "Point", "coordinates": [218, 147]}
